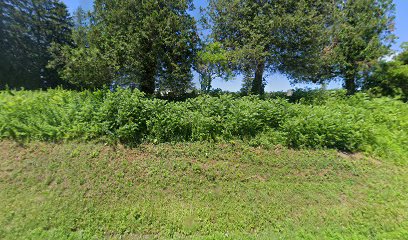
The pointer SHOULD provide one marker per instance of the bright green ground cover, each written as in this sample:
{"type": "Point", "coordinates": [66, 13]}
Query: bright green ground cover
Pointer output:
{"type": "Point", "coordinates": [198, 191]}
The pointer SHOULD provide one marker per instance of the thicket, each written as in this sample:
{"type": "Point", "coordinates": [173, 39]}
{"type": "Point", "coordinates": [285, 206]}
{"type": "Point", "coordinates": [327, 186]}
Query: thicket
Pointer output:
{"type": "Point", "coordinates": [328, 119]}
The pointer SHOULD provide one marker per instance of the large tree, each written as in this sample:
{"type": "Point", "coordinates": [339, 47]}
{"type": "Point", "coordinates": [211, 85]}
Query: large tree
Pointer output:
{"type": "Point", "coordinates": [151, 42]}
{"type": "Point", "coordinates": [358, 33]}
{"type": "Point", "coordinates": [83, 63]}
{"type": "Point", "coordinates": [309, 41]}
{"type": "Point", "coordinates": [362, 34]}
{"type": "Point", "coordinates": [267, 36]}
{"type": "Point", "coordinates": [28, 28]}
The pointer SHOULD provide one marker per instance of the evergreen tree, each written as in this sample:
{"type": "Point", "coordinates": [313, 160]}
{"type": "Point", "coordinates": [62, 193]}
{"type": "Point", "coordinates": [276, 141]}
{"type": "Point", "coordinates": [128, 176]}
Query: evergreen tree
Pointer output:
{"type": "Point", "coordinates": [361, 35]}
{"type": "Point", "coordinates": [152, 43]}
{"type": "Point", "coordinates": [28, 29]}
{"type": "Point", "coordinates": [82, 63]}
{"type": "Point", "coordinates": [16, 44]}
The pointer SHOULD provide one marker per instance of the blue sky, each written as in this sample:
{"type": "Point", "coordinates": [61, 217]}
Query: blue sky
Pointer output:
{"type": "Point", "coordinates": [278, 82]}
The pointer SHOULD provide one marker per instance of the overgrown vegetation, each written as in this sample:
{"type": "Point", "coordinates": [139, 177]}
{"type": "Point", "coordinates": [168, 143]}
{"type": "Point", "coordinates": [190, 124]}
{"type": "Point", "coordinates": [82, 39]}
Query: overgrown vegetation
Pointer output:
{"type": "Point", "coordinates": [152, 157]}
{"type": "Point", "coordinates": [328, 120]}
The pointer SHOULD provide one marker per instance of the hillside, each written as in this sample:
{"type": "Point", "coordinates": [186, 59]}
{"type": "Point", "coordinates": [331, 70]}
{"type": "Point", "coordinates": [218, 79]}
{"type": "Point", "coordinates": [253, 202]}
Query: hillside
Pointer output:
{"type": "Point", "coordinates": [197, 191]}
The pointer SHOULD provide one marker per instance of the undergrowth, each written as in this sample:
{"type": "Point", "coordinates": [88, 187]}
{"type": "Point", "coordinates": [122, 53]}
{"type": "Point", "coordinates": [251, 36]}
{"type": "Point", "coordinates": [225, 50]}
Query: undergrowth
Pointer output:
{"type": "Point", "coordinates": [325, 119]}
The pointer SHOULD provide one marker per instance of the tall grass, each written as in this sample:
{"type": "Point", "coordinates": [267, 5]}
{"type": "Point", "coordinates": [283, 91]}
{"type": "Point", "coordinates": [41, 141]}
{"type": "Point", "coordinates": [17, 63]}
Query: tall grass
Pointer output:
{"type": "Point", "coordinates": [319, 120]}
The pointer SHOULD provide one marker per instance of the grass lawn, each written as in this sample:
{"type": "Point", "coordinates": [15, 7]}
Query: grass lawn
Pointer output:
{"type": "Point", "coordinates": [198, 191]}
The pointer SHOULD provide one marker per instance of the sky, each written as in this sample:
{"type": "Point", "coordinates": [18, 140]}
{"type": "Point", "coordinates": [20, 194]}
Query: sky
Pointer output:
{"type": "Point", "coordinates": [278, 82]}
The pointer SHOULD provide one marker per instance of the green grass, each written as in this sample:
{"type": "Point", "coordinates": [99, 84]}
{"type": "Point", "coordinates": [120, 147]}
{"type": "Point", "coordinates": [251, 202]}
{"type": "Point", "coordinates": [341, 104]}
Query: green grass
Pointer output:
{"type": "Point", "coordinates": [198, 190]}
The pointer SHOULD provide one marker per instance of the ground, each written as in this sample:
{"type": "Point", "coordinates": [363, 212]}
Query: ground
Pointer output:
{"type": "Point", "coordinates": [197, 191]}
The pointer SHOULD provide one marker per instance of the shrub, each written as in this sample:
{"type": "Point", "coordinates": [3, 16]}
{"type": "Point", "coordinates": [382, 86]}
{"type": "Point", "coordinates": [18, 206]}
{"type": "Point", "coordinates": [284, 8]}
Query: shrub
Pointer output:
{"type": "Point", "coordinates": [358, 123]}
{"type": "Point", "coordinates": [169, 122]}
{"type": "Point", "coordinates": [337, 127]}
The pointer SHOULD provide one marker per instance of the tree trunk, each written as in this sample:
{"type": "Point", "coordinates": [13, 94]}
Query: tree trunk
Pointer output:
{"type": "Point", "coordinates": [205, 81]}
{"type": "Point", "coordinates": [148, 85]}
{"type": "Point", "coordinates": [148, 80]}
{"type": "Point", "coordinates": [149, 67]}
{"type": "Point", "coordinates": [257, 83]}
{"type": "Point", "coordinates": [350, 84]}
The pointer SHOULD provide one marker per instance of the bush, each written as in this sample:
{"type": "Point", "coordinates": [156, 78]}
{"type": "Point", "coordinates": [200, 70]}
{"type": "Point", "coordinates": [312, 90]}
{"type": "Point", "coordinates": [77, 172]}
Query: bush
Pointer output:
{"type": "Point", "coordinates": [358, 123]}
{"type": "Point", "coordinates": [337, 127]}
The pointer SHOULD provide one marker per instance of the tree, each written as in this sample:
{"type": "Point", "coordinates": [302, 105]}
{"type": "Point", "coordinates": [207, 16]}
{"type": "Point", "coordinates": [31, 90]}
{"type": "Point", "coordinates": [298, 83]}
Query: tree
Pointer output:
{"type": "Point", "coordinates": [212, 61]}
{"type": "Point", "coordinates": [15, 43]}
{"type": "Point", "coordinates": [28, 29]}
{"type": "Point", "coordinates": [82, 63]}
{"type": "Point", "coordinates": [390, 78]}
{"type": "Point", "coordinates": [361, 35]}
{"type": "Point", "coordinates": [267, 36]}
{"type": "Point", "coordinates": [151, 42]}
{"type": "Point", "coordinates": [85, 67]}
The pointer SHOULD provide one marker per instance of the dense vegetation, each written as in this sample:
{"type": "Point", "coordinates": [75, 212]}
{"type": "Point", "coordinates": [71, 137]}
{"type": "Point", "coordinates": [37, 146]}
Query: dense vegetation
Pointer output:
{"type": "Point", "coordinates": [326, 120]}
{"type": "Point", "coordinates": [27, 30]}
{"type": "Point", "coordinates": [390, 78]}
{"type": "Point", "coordinates": [155, 44]}
{"type": "Point", "coordinates": [103, 134]}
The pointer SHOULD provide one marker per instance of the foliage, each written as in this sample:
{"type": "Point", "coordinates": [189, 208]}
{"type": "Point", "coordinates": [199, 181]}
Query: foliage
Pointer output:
{"type": "Point", "coordinates": [359, 33]}
{"type": "Point", "coordinates": [332, 120]}
{"type": "Point", "coordinates": [27, 30]}
{"type": "Point", "coordinates": [151, 43]}
{"type": "Point", "coordinates": [390, 78]}
{"type": "Point", "coordinates": [154, 44]}
{"type": "Point", "coordinates": [362, 36]}
{"type": "Point", "coordinates": [212, 61]}
{"type": "Point", "coordinates": [309, 41]}
{"type": "Point", "coordinates": [82, 63]}
{"type": "Point", "coordinates": [338, 127]}
{"type": "Point", "coordinates": [84, 67]}
{"type": "Point", "coordinates": [265, 36]}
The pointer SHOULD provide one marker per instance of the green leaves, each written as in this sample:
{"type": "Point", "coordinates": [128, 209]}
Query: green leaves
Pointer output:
{"type": "Point", "coordinates": [148, 42]}
{"type": "Point", "coordinates": [356, 123]}
{"type": "Point", "coordinates": [84, 67]}
{"type": "Point", "coordinates": [27, 29]}
{"type": "Point", "coordinates": [265, 36]}
{"type": "Point", "coordinates": [363, 34]}
{"type": "Point", "coordinates": [389, 78]}
{"type": "Point", "coordinates": [212, 61]}
{"type": "Point", "coordinates": [309, 41]}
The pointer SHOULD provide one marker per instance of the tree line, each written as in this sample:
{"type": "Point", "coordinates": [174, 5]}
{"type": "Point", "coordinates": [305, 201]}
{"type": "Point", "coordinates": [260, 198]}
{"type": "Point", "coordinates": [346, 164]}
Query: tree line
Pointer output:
{"type": "Point", "coordinates": [156, 44]}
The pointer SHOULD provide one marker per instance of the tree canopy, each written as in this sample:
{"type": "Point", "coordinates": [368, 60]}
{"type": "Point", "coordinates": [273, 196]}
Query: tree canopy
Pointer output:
{"type": "Point", "coordinates": [152, 43]}
{"type": "Point", "coordinates": [390, 78]}
{"type": "Point", "coordinates": [309, 41]}
{"type": "Point", "coordinates": [28, 28]}
{"type": "Point", "coordinates": [267, 36]}
{"type": "Point", "coordinates": [155, 44]}
{"type": "Point", "coordinates": [362, 34]}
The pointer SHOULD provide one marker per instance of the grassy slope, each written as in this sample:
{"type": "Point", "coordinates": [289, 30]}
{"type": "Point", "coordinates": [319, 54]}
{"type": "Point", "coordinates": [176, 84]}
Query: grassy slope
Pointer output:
{"type": "Point", "coordinates": [198, 190]}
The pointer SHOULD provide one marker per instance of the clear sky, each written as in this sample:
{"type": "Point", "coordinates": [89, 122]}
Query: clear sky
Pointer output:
{"type": "Point", "coordinates": [279, 82]}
